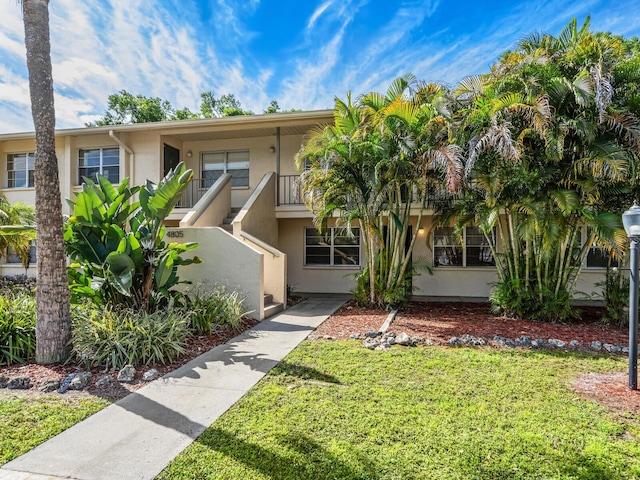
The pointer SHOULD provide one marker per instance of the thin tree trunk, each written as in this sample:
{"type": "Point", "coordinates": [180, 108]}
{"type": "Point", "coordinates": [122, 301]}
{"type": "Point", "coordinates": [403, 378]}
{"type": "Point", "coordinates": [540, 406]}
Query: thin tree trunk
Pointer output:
{"type": "Point", "coordinates": [53, 325]}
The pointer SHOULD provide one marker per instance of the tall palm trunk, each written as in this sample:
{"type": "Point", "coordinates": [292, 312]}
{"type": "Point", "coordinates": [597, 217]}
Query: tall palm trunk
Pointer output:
{"type": "Point", "coordinates": [53, 325]}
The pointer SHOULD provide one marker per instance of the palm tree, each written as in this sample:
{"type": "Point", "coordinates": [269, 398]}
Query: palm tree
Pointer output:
{"type": "Point", "coordinates": [381, 157]}
{"type": "Point", "coordinates": [53, 325]}
{"type": "Point", "coordinates": [550, 155]}
{"type": "Point", "coordinates": [17, 229]}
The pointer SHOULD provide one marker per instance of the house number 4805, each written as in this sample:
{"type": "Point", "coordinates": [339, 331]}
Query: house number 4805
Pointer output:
{"type": "Point", "coordinates": [175, 233]}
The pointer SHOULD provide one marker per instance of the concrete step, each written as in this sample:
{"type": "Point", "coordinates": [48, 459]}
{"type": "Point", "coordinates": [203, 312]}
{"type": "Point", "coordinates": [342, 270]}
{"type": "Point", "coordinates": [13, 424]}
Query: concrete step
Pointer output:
{"type": "Point", "coordinates": [228, 220]}
{"type": "Point", "coordinates": [268, 298]}
{"type": "Point", "coordinates": [272, 309]}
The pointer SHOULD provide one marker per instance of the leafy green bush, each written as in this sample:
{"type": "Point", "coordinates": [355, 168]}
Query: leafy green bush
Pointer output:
{"type": "Point", "coordinates": [112, 339]}
{"type": "Point", "coordinates": [209, 308]}
{"type": "Point", "coordinates": [17, 327]}
{"type": "Point", "coordinates": [116, 244]}
{"type": "Point", "coordinates": [512, 299]}
{"type": "Point", "coordinates": [615, 291]}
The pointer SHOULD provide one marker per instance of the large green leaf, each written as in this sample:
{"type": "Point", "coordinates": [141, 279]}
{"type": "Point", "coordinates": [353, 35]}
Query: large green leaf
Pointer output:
{"type": "Point", "coordinates": [164, 269]}
{"type": "Point", "coordinates": [121, 270]}
{"type": "Point", "coordinates": [135, 251]}
{"type": "Point", "coordinates": [110, 192]}
{"type": "Point", "coordinates": [88, 208]}
{"type": "Point", "coordinates": [86, 245]}
{"type": "Point", "coordinates": [114, 236]}
{"type": "Point", "coordinates": [157, 201]}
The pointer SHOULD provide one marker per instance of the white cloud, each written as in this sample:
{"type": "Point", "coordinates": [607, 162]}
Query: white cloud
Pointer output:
{"type": "Point", "coordinates": [317, 13]}
{"type": "Point", "coordinates": [166, 48]}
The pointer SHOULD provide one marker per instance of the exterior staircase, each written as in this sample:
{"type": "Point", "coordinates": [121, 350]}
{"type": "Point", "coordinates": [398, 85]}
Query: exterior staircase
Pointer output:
{"type": "Point", "coordinates": [226, 223]}
{"type": "Point", "coordinates": [270, 307]}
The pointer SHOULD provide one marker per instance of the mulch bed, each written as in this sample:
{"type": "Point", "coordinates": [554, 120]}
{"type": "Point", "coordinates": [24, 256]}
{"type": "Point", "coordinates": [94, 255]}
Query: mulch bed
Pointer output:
{"type": "Point", "coordinates": [195, 346]}
{"type": "Point", "coordinates": [436, 322]}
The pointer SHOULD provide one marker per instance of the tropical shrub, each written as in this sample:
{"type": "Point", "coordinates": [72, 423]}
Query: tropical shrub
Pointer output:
{"type": "Point", "coordinates": [551, 149]}
{"type": "Point", "coordinates": [209, 308]}
{"type": "Point", "coordinates": [111, 339]}
{"type": "Point", "coordinates": [615, 291]}
{"type": "Point", "coordinates": [17, 327]}
{"type": "Point", "coordinates": [17, 229]}
{"type": "Point", "coordinates": [385, 154]}
{"type": "Point", "coordinates": [117, 247]}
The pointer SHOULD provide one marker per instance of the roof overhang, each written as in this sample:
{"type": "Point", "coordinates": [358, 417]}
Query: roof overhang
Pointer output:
{"type": "Point", "coordinates": [242, 126]}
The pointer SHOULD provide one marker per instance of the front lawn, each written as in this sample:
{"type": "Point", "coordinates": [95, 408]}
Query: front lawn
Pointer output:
{"type": "Point", "coordinates": [28, 421]}
{"type": "Point", "coordinates": [337, 410]}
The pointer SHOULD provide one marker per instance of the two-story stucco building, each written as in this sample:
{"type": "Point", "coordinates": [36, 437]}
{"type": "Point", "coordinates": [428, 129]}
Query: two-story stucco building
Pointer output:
{"type": "Point", "coordinates": [243, 207]}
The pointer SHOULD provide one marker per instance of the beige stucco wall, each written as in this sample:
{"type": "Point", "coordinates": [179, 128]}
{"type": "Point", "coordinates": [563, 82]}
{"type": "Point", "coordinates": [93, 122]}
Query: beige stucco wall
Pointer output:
{"type": "Point", "coordinates": [261, 160]}
{"type": "Point", "coordinates": [226, 261]}
{"type": "Point", "coordinates": [16, 269]}
{"type": "Point", "coordinates": [213, 207]}
{"type": "Point", "coordinates": [258, 220]}
{"type": "Point", "coordinates": [289, 146]}
{"type": "Point", "coordinates": [310, 279]}
{"type": "Point", "coordinates": [258, 216]}
{"type": "Point", "coordinates": [148, 150]}
{"type": "Point", "coordinates": [466, 282]}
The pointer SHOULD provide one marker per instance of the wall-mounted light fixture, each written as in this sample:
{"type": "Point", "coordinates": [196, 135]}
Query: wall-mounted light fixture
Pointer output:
{"type": "Point", "coordinates": [421, 231]}
{"type": "Point", "coordinates": [189, 154]}
{"type": "Point", "coordinates": [272, 149]}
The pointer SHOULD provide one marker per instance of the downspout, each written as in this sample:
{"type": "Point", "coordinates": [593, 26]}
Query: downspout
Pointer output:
{"type": "Point", "coordinates": [129, 151]}
{"type": "Point", "coordinates": [278, 165]}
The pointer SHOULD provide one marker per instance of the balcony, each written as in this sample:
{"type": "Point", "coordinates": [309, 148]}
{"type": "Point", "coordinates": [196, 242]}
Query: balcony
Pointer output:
{"type": "Point", "coordinates": [289, 190]}
{"type": "Point", "coordinates": [194, 192]}
{"type": "Point", "coordinates": [289, 193]}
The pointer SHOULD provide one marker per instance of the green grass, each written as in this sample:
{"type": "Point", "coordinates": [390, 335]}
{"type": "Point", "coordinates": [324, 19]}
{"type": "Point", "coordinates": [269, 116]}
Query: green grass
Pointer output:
{"type": "Point", "coordinates": [337, 410]}
{"type": "Point", "coordinates": [27, 422]}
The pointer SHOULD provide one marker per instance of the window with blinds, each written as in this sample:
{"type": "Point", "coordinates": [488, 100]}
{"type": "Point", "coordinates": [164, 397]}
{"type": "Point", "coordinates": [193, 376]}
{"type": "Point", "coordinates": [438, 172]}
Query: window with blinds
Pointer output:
{"type": "Point", "coordinates": [235, 163]}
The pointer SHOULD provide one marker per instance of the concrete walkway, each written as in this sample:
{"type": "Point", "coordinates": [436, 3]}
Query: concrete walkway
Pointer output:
{"type": "Point", "coordinates": [136, 437]}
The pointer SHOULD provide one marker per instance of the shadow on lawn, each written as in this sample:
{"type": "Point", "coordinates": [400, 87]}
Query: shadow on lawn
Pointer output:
{"type": "Point", "coordinates": [303, 372]}
{"type": "Point", "coordinates": [304, 457]}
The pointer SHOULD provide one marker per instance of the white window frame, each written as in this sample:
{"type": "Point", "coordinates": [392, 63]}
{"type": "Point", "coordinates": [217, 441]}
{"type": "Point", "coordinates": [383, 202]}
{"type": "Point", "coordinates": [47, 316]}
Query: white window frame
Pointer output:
{"type": "Point", "coordinates": [30, 157]}
{"type": "Point", "coordinates": [227, 166]}
{"type": "Point", "coordinates": [101, 167]}
{"type": "Point", "coordinates": [462, 245]}
{"type": "Point", "coordinates": [332, 233]}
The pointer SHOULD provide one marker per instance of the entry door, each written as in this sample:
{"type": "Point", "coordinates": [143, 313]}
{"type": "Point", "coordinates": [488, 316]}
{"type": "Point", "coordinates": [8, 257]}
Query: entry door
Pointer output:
{"type": "Point", "coordinates": [171, 158]}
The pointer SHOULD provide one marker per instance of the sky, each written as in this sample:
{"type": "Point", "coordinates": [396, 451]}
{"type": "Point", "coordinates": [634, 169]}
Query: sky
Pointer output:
{"type": "Point", "coordinates": [301, 53]}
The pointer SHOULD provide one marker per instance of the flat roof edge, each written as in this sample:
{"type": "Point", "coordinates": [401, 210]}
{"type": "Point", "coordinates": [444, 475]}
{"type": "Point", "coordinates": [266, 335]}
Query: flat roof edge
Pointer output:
{"type": "Point", "coordinates": [239, 120]}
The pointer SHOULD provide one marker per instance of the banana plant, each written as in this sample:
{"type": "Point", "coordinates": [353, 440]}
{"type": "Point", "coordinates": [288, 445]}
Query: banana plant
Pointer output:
{"type": "Point", "coordinates": [116, 244]}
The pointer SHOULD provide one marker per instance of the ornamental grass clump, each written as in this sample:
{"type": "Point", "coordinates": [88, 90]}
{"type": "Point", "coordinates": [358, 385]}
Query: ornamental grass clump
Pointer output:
{"type": "Point", "coordinates": [208, 309]}
{"type": "Point", "coordinates": [112, 339]}
{"type": "Point", "coordinates": [17, 327]}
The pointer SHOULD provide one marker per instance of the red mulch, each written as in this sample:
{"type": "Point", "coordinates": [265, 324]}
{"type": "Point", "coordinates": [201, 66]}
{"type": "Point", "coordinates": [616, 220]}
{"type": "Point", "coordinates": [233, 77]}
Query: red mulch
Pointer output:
{"type": "Point", "coordinates": [39, 373]}
{"type": "Point", "coordinates": [437, 322]}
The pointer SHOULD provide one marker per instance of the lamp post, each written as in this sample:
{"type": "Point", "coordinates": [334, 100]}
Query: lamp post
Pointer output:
{"type": "Point", "coordinates": [631, 222]}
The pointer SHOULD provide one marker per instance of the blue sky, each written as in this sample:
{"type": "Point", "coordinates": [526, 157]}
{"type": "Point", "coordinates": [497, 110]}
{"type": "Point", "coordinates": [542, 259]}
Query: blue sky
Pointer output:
{"type": "Point", "coordinates": [300, 53]}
